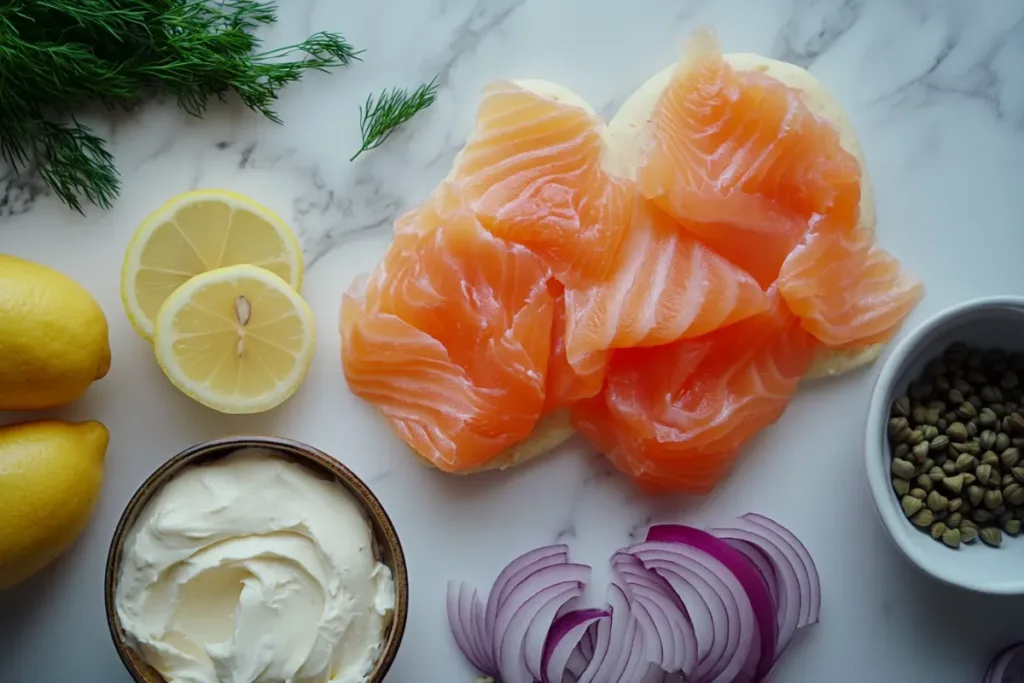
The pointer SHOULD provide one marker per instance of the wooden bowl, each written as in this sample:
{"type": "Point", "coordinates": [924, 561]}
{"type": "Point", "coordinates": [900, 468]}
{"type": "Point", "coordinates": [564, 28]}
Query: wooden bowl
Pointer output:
{"type": "Point", "coordinates": [388, 547]}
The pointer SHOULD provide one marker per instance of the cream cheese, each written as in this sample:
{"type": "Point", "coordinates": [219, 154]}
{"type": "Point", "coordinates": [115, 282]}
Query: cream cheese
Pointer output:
{"type": "Point", "coordinates": [251, 569]}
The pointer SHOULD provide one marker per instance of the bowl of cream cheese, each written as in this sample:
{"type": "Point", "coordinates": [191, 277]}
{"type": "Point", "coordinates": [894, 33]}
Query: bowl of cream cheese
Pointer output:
{"type": "Point", "coordinates": [256, 559]}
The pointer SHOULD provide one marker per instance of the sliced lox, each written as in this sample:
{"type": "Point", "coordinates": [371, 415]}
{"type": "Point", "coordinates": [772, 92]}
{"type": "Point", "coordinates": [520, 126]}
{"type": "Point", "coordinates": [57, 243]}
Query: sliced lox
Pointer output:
{"type": "Point", "coordinates": [532, 172]}
{"type": "Point", "coordinates": [741, 162]}
{"type": "Point", "coordinates": [674, 417]}
{"type": "Point", "coordinates": [567, 383]}
{"type": "Point", "coordinates": [846, 290]}
{"type": "Point", "coordinates": [664, 285]}
{"type": "Point", "coordinates": [450, 338]}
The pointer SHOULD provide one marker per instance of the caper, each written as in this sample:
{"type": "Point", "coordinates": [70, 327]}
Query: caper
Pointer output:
{"type": "Point", "coordinates": [956, 432]}
{"type": "Point", "coordinates": [989, 394]}
{"type": "Point", "coordinates": [986, 417]}
{"type": "Point", "coordinates": [1009, 458]}
{"type": "Point", "coordinates": [1002, 442]}
{"type": "Point", "coordinates": [991, 536]}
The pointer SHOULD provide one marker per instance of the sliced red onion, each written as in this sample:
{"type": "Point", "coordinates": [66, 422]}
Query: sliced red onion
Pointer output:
{"type": "Point", "coordinates": [780, 575]}
{"type": "Point", "coordinates": [463, 606]}
{"type": "Point", "coordinates": [587, 643]}
{"type": "Point", "coordinates": [722, 616]}
{"type": "Point", "coordinates": [810, 609]}
{"type": "Point", "coordinates": [754, 585]}
{"type": "Point", "coordinates": [667, 632]}
{"type": "Point", "coordinates": [558, 583]}
{"type": "Point", "coordinates": [759, 560]}
{"type": "Point", "coordinates": [514, 573]}
{"type": "Point", "coordinates": [602, 642]}
{"type": "Point", "coordinates": [683, 607]}
{"type": "Point", "coordinates": [537, 632]}
{"type": "Point", "coordinates": [575, 666]}
{"type": "Point", "coordinates": [621, 627]}
{"type": "Point", "coordinates": [565, 641]}
{"type": "Point", "coordinates": [1007, 666]}
{"type": "Point", "coordinates": [473, 625]}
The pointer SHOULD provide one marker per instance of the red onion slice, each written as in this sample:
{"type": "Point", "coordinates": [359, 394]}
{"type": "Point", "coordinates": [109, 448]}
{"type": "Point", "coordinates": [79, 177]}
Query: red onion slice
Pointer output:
{"type": "Point", "coordinates": [516, 571]}
{"type": "Point", "coordinates": [464, 620]}
{"type": "Point", "coordinates": [639, 668]}
{"type": "Point", "coordinates": [782, 575]}
{"type": "Point", "coordinates": [537, 632]}
{"type": "Point", "coordinates": [565, 640]}
{"type": "Point", "coordinates": [627, 644]}
{"type": "Point", "coordinates": [726, 633]}
{"type": "Point", "coordinates": [668, 634]}
{"type": "Point", "coordinates": [575, 666]}
{"type": "Point", "coordinates": [802, 562]}
{"type": "Point", "coordinates": [587, 643]}
{"type": "Point", "coordinates": [753, 583]}
{"type": "Point", "coordinates": [602, 642]}
{"type": "Point", "coordinates": [525, 600]}
{"type": "Point", "coordinates": [759, 560]}
{"type": "Point", "coordinates": [1007, 666]}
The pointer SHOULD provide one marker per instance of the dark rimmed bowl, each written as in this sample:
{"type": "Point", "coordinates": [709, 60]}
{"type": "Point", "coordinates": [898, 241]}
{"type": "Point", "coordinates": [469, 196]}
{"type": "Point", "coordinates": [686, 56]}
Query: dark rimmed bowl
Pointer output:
{"type": "Point", "coordinates": [389, 548]}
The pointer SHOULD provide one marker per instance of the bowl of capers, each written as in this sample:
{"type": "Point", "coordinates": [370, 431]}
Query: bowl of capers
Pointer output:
{"type": "Point", "coordinates": [944, 445]}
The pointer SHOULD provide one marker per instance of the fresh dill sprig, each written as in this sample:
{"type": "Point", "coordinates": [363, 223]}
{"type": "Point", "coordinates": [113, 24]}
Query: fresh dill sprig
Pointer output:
{"type": "Point", "coordinates": [382, 116]}
{"type": "Point", "coordinates": [59, 56]}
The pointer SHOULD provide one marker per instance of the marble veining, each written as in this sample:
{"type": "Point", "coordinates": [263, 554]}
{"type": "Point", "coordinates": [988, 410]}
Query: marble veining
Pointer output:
{"type": "Point", "coordinates": [935, 89]}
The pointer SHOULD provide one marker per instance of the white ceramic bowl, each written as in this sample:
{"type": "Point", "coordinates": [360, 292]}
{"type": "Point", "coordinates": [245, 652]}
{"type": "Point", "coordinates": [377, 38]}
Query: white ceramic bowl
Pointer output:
{"type": "Point", "coordinates": [996, 322]}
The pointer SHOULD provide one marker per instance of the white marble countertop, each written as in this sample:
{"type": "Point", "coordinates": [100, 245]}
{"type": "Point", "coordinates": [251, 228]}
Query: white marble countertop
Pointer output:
{"type": "Point", "coordinates": [936, 92]}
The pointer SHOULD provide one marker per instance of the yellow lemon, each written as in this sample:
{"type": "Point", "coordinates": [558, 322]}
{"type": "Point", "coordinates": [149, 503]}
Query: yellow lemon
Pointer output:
{"type": "Point", "coordinates": [53, 337]}
{"type": "Point", "coordinates": [50, 478]}
{"type": "Point", "coordinates": [196, 232]}
{"type": "Point", "coordinates": [236, 339]}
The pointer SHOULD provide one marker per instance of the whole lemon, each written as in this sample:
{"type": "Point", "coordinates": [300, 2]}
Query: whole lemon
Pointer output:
{"type": "Point", "coordinates": [50, 478]}
{"type": "Point", "coordinates": [53, 337]}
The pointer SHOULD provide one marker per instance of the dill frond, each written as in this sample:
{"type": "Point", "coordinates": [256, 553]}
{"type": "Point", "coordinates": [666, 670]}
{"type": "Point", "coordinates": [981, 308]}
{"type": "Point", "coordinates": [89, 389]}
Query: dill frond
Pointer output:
{"type": "Point", "coordinates": [57, 56]}
{"type": "Point", "coordinates": [382, 116]}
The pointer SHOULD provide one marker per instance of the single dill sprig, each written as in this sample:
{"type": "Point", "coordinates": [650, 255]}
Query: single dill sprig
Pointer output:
{"type": "Point", "coordinates": [382, 116]}
{"type": "Point", "coordinates": [58, 56]}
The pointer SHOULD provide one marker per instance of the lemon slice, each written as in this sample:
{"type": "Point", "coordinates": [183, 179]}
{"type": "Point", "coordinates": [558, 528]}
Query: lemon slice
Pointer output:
{"type": "Point", "coordinates": [196, 232]}
{"type": "Point", "coordinates": [236, 339]}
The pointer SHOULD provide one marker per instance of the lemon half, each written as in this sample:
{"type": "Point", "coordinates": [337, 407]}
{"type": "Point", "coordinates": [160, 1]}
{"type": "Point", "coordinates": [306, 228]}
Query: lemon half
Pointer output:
{"type": "Point", "coordinates": [196, 232]}
{"type": "Point", "coordinates": [236, 339]}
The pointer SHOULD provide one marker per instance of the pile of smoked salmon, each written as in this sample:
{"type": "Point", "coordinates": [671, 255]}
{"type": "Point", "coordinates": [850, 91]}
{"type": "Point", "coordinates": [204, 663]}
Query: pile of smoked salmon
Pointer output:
{"type": "Point", "coordinates": [672, 310]}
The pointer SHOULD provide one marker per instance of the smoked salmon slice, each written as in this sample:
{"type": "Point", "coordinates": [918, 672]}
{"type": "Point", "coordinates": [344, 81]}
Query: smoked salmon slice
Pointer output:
{"type": "Point", "coordinates": [533, 173]}
{"type": "Point", "coordinates": [674, 417]}
{"type": "Point", "coordinates": [566, 383]}
{"type": "Point", "coordinates": [664, 285]}
{"type": "Point", "coordinates": [846, 289]}
{"type": "Point", "coordinates": [742, 163]}
{"type": "Point", "coordinates": [450, 338]}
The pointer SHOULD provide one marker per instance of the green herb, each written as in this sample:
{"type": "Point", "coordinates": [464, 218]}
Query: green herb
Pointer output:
{"type": "Point", "coordinates": [58, 56]}
{"type": "Point", "coordinates": [381, 116]}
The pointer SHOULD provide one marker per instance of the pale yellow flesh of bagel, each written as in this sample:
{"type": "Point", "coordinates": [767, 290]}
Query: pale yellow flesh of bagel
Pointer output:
{"type": "Point", "coordinates": [623, 137]}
